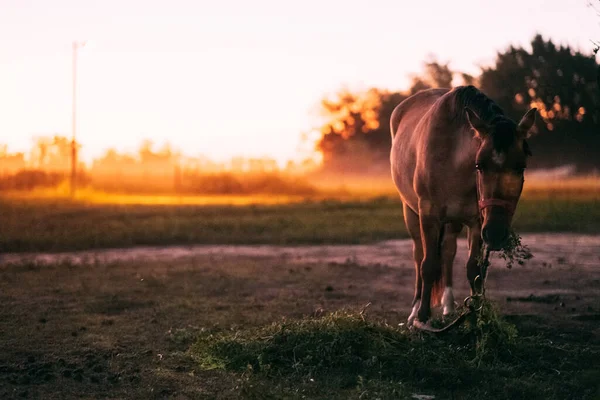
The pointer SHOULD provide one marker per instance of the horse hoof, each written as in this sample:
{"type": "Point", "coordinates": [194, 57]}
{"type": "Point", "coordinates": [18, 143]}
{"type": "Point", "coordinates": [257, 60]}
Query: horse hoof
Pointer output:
{"type": "Point", "coordinates": [413, 313]}
{"type": "Point", "coordinates": [448, 310]}
{"type": "Point", "coordinates": [424, 326]}
{"type": "Point", "coordinates": [411, 319]}
{"type": "Point", "coordinates": [448, 301]}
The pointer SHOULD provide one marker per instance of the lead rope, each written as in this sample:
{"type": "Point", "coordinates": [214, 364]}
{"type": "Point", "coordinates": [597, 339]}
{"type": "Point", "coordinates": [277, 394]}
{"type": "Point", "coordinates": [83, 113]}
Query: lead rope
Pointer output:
{"type": "Point", "coordinates": [470, 302]}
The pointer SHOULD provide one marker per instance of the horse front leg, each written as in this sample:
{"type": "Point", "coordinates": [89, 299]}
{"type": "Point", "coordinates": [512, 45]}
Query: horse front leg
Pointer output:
{"type": "Point", "coordinates": [431, 268]}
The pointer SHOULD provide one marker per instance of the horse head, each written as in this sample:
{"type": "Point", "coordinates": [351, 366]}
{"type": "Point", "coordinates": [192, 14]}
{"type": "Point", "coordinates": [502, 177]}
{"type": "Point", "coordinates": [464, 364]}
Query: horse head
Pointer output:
{"type": "Point", "coordinates": [500, 165]}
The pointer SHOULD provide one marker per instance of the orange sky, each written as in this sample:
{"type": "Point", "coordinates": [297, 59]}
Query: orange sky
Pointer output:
{"type": "Point", "coordinates": [226, 78]}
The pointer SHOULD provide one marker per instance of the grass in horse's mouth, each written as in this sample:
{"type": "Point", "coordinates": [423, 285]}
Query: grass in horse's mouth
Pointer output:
{"type": "Point", "coordinates": [514, 251]}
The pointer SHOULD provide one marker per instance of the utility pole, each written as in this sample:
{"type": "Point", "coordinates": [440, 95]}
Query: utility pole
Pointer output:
{"type": "Point", "coordinates": [76, 46]}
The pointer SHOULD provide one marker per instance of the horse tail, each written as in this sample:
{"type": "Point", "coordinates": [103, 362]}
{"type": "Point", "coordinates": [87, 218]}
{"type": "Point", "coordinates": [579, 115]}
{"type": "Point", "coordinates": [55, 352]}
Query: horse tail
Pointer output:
{"type": "Point", "coordinates": [437, 290]}
{"type": "Point", "coordinates": [395, 120]}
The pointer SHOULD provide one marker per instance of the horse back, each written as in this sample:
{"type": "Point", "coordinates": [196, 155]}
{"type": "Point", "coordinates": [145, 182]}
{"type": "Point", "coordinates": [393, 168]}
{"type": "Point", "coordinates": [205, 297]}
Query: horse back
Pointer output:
{"type": "Point", "coordinates": [407, 133]}
{"type": "Point", "coordinates": [419, 102]}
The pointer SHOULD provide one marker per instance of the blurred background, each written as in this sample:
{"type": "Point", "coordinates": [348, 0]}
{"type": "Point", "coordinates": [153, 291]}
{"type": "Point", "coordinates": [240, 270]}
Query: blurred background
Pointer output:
{"type": "Point", "coordinates": [199, 103]}
{"type": "Point", "coordinates": [236, 99]}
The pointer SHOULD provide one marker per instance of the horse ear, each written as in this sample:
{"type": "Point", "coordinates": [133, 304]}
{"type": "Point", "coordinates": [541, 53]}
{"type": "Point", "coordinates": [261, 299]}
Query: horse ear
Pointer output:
{"type": "Point", "coordinates": [526, 123]}
{"type": "Point", "coordinates": [480, 127]}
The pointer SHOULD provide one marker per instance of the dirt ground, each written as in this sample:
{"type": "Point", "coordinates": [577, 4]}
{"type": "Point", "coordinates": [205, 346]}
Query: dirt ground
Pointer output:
{"type": "Point", "coordinates": [117, 323]}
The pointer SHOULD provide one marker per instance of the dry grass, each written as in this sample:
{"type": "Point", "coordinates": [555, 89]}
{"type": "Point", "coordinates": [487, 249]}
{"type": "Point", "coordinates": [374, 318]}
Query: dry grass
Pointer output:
{"type": "Point", "coordinates": [577, 188]}
{"type": "Point", "coordinates": [37, 222]}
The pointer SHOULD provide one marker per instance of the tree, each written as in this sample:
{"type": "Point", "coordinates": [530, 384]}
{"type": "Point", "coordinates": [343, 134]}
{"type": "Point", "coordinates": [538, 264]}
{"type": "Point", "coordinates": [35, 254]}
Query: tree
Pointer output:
{"type": "Point", "coordinates": [52, 153]}
{"type": "Point", "coordinates": [439, 75]}
{"type": "Point", "coordinates": [10, 163]}
{"type": "Point", "coordinates": [557, 80]}
{"type": "Point", "coordinates": [436, 75]}
{"type": "Point", "coordinates": [356, 136]}
{"type": "Point", "coordinates": [562, 84]}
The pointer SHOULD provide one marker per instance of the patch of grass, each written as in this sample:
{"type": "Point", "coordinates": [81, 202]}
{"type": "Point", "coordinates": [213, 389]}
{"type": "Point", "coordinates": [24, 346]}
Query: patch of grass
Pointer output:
{"type": "Point", "coordinates": [61, 225]}
{"type": "Point", "coordinates": [344, 355]}
{"type": "Point", "coordinates": [183, 336]}
{"type": "Point", "coordinates": [554, 213]}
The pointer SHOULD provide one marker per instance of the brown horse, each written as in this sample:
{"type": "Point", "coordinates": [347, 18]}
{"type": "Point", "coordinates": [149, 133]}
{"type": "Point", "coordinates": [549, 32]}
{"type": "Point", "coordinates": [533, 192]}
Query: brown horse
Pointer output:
{"type": "Point", "coordinates": [457, 161]}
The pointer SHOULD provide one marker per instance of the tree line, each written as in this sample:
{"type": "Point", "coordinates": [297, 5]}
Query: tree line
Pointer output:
{"type": "Point", "coordinates": [150, 170]}
{"type": "Point", "coordinates": [561, 82]}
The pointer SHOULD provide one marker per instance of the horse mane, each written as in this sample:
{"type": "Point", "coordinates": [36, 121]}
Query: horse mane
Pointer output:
{"type": "Point", "coordinates": [488, 111]}
{"type": "Point", "coordinates": [470, 96]}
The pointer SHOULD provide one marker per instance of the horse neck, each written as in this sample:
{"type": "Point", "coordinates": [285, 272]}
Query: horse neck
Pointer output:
{"type": "Point", "coordinates": [466, 148]}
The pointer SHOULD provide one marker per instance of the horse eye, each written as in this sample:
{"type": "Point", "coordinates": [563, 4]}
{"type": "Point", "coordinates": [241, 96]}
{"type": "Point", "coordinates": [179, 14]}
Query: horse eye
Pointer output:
{"type": "Point", "coordinates": [478, 167]}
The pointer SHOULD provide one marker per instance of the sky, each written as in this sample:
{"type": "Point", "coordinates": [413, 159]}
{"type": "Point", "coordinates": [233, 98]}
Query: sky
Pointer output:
{"type": "Point", "coordinates": [236, 77]}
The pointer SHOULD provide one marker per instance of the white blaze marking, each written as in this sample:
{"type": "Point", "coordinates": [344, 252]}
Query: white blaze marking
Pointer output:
{"type": "Point", "coordinates": [448, 301]}
{"type": "Point", "coordinates": [498, 158]}
{"type": "Point", "coordinates": [414, 312]}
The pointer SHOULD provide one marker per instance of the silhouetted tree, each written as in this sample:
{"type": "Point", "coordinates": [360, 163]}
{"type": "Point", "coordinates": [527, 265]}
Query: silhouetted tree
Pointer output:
{"type": "Point", "coordinates": [562, 84]}
{"type": "Point", "coordinates": [435, 75]}
{"type": "Point", "coordinates": [559, 81]}
{"type": "Point", "coordinates": [439, 75]}
{"type": "Point", "coordinates": [356, 136]}
{"type": "Point", "coordinates": [468, 79]}
{"type": "Point", "coordinates": [418, 84]}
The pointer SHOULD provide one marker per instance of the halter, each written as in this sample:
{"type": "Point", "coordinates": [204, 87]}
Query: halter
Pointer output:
{"type": "Point", "coordinates": [508, 205]}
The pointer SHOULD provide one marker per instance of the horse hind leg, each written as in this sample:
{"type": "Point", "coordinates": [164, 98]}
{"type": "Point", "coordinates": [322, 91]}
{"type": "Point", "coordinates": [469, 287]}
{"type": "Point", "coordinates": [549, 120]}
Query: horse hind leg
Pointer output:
{"type": "Point", "coordinates": [448, 252]}
{"type": "Point", "coordinates": [411, 219]}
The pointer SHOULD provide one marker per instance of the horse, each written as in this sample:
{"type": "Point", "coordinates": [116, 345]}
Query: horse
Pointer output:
{"type": "Point", "coordinates": [456, 160]}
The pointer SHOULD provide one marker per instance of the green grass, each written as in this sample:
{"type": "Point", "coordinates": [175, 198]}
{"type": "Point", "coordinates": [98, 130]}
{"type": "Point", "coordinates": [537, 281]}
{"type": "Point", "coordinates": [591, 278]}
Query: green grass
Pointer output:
{"type": "Point", "coordinates": [344, 355]}
{"type": "Point", "coordinates": [59, 225]}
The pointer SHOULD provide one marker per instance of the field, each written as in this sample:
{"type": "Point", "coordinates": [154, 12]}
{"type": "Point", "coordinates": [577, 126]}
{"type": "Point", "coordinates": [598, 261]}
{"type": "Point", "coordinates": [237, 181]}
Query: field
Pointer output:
{"type": "Point", "coordinates": [136, 326]}
{"type": "Point", "coordinates": [49, 224]}
{"type": "Point", "coordinates": [301, 300]}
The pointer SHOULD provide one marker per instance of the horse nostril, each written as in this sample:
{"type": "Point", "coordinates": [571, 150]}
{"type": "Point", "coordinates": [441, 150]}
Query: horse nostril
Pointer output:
{"type": "Point", "coordinates": [495, 236]}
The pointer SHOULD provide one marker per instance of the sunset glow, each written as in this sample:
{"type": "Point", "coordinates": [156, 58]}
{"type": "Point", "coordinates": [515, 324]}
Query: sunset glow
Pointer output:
{"type": "Point", "coordinates": [234, 78]}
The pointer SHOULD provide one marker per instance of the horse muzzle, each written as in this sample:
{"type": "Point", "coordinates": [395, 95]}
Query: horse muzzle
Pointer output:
{"type": "Point", "coordinates": [497, 218]}
{"type": "Point", "coordinates": [495, 235]}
